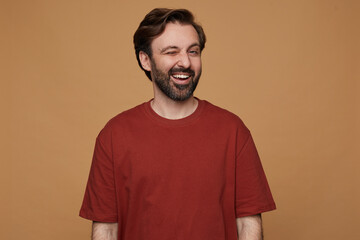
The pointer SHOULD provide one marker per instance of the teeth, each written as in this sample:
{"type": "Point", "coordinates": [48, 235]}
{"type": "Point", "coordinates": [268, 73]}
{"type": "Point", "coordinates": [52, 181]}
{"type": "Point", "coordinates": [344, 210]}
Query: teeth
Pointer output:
{"type": "Point", "coordinates": [181, 76]}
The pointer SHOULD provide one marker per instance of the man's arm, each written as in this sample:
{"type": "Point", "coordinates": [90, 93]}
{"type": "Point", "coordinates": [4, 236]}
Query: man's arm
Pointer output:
{"type": "Point", "coordinates": [250, 227]}
{"type": "Point", "coordinates": [104, 231]}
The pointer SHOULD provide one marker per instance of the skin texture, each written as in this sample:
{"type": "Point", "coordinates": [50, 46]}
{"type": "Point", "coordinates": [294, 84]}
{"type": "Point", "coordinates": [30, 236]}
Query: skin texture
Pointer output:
{"type": "Point", "coordinates": [175, 51]}
{"type": "Point", "coordinates": [104, 231]}
{"type": "Point", "coordinates": [249, 228]}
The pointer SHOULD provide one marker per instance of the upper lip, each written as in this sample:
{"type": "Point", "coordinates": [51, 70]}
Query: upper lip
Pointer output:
{"type": "Point", "coordinates": [181, 74]}
{"type": "Point", "coordinates": [187, 72]}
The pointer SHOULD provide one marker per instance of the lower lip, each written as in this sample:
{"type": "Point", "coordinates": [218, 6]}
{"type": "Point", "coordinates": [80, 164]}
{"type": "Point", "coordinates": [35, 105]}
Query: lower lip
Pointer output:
{"type": "Point", "coordinates": [181, 81]}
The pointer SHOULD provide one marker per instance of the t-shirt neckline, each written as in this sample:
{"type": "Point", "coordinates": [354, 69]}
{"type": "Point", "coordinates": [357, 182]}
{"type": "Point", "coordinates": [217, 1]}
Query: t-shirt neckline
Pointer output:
{"type": "Point", "coordinates": [174, 122]}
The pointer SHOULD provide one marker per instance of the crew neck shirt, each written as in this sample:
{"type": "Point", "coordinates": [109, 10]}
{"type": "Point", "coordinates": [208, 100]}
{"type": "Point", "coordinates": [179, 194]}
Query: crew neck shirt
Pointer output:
{"type": "Point", "coordinates": [185, 179]}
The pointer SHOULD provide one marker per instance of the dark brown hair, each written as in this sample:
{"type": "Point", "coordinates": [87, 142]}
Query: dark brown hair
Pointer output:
{"type": "Point", "coordinates": [154, 24]}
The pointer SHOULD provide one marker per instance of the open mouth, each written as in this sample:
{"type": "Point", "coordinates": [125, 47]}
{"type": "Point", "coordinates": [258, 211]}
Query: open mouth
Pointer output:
{"type": "Point", "coordinates": [181, 77]}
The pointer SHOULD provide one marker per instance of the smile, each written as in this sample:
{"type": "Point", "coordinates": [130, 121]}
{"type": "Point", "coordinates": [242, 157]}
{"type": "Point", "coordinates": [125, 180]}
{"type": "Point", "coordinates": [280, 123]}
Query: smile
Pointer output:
{"type": "Point", "coordinates": [181, 76]}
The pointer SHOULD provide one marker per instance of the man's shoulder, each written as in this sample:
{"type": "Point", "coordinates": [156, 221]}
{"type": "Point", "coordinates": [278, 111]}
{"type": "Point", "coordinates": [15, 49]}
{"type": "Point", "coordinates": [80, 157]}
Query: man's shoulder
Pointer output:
{"type": "Point", "coordinates": [222, 113]}
{"type": "Point", "coordinates": [130, 113]}
{"type": "Point", "coordinates": [126, 117]}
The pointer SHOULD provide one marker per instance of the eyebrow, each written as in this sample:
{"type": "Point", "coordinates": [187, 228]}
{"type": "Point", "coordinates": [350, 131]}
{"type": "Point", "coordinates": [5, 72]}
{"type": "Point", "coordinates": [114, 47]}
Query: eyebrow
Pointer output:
{"type": "Point", "coordinates": [175, 47]}
{"type": "Point", "coordinates": [194, 45]}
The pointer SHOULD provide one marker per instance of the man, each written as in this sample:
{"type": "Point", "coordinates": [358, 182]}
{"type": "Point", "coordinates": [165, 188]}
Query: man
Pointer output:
{"type": "Point", "coordinates": [175, 167]}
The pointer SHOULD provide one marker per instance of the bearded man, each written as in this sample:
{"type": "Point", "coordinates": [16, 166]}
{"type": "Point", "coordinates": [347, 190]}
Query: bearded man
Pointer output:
{"type": "Point", "coordinates": [175, 167]}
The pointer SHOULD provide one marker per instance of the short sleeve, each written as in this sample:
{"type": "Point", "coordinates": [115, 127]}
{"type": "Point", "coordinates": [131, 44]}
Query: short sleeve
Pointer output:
{"type": "Point", "coordinates": [252, 192]}
{"type": "Point", "coordinates": [99, 202]}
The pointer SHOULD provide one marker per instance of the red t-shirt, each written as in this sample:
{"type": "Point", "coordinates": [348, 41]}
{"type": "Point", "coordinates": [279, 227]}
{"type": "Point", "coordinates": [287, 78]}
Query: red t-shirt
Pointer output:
{"type": "Point", "coordinates": [186, 179]}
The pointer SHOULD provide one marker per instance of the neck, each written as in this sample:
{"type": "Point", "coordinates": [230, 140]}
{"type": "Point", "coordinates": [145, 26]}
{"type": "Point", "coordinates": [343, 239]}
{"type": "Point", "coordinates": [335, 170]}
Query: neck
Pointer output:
{"type": "Point", "coordinates": [170, 109]}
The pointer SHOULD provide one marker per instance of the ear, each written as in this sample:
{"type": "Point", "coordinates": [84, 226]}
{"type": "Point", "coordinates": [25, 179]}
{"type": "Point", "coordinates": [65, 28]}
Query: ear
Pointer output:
{"type": "Point", "coordinates": [145, 61]}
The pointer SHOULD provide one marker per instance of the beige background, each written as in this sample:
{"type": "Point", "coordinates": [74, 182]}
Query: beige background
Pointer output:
{"type": "Point", "coordinates": [289, 69]}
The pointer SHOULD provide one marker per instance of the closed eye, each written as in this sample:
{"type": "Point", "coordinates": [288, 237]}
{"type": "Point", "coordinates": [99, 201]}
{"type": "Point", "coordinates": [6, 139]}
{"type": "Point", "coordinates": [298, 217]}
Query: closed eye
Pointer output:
{"type": "Point", "coordinates": [170, 53]}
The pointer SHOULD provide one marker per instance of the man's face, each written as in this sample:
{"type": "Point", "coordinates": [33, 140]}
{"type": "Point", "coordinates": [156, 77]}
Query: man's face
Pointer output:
{"type": "Point", "coordinates": [176, 61]}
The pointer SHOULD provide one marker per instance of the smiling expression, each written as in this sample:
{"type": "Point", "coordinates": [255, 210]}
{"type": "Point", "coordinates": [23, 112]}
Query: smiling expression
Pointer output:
{"type": "Point", "coordinates": [175, 63]}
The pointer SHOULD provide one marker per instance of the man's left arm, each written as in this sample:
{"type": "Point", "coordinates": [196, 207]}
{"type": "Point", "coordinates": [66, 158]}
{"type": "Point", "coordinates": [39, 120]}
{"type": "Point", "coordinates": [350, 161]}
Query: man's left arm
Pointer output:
{"type": "Point", "coordinates": [249, 227]}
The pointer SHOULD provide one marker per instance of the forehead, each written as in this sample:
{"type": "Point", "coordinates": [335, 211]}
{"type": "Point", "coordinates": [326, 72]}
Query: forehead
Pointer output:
{"type": "Point", "coordinates": [176, 34]}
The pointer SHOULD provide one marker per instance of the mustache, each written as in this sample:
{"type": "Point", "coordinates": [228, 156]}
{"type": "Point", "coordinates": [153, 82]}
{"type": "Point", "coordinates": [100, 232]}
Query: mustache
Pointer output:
{"type": "Point", "coordinates": [183, 70]}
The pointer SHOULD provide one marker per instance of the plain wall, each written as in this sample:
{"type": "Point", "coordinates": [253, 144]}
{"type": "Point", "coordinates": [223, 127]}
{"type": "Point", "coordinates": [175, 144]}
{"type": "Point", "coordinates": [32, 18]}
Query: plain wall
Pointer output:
{"type": "Point", "coordinates": [289, 69]}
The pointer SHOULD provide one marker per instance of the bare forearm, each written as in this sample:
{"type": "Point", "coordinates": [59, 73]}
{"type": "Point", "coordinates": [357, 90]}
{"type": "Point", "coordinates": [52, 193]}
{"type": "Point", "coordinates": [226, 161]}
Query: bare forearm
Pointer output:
{"type": "Point", "coordinates": [249, 228]}
{"type": "Point", "coordinates": [104, 231]}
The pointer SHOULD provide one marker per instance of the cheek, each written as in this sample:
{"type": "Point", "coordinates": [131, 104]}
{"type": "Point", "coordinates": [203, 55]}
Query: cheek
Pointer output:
{"type": "Point", "coordinates": [197, 65]}
{"type": "Point", "coordinates": [166, 65]}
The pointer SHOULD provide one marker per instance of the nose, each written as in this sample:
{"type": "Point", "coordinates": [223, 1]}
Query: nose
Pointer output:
{"type": "Point", "coordinates": [184, 60]}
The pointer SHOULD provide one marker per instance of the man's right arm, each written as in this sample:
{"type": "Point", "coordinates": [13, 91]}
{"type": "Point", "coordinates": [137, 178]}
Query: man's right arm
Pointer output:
{"type": "Point", "coordinates": [104, 231]}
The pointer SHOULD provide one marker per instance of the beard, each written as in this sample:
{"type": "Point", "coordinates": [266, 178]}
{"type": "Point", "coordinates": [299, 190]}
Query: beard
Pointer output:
{"type": "Point", "coordinates": [176, 92]}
